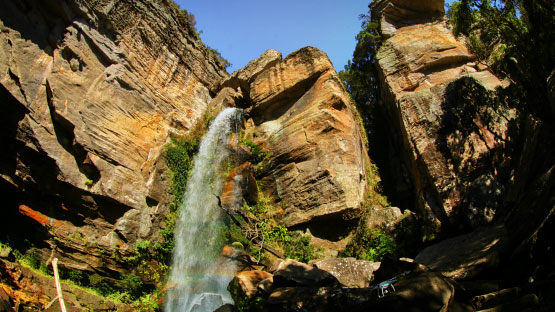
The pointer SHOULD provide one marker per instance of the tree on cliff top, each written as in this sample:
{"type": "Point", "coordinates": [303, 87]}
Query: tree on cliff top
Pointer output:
{"type": "Point", "coordinates": [360, 75]}
{"type": "Point", "coordinates": [516, 39]}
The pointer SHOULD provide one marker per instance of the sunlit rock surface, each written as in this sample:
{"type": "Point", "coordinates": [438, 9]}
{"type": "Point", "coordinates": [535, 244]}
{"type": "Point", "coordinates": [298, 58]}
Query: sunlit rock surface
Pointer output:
{"type": "Point", "coordinates": [301, 113]}
{"type": "Point", "coordinates": [449, 131]}
{"type": "Point", "coordinates": [91, 91]}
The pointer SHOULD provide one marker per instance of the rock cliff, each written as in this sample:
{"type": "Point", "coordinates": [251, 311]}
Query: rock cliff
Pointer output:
{"type": "Point", "coordinates": [301, 112]}
{"type": "Point", "coordinates": [448, 128]}
{"type": "Point", "coordinates": [92, 90]}
{"type": "Point", "coordinates": [298, 110]}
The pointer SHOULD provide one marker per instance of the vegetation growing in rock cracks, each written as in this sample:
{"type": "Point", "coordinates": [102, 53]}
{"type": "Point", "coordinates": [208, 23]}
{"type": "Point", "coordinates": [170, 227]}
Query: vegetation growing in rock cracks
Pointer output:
{"type": "Point", "coordinates": [259, 224]}
{"type": "Point", "coordinates": [259, 155]}
{"type": "Point", "coordinates": [259, 228]}
{"type": "Point", "coordinates": [127, 288]}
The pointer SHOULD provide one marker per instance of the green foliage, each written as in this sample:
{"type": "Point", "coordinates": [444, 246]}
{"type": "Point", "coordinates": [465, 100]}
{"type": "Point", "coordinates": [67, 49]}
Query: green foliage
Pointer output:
{"type": "Point", "coordinates": [224, 63]}
{"type": "Point", "coordinates": [147, 303]}
{"type": "Point", "coordinates": [179, 159]}
{"type": "Point", "coordinates": [89, 182]}
{"type": "Point", "coordinates": [77, 277]}
{"type": "Point", "coordinates": [360, 75]}
{"type": "Point", "coordinates": [370, 245]}
{"type": "Point", "coordinates": [188, 19]}
{"type": "Point", "coordinates": [461, 17]}
{"type": "Point", "coordinates": [273, 234]}
{"type": "Point", "coordinates": [99, 284]}
{"type": "Point", "coordinates": [260, 155]}
{"type": "Point", "coordinates": [515, 38]}
{"type": "Point", "coordinates": [245, 304]}
{"type": "Point", "coordinates": [31, 259]}
{"type": "Point", "coordinates": [300, 248]}
{"type": "Point", "coordinates": [374, 196]}
{"type": "Point", "coordinates": [131, 284]}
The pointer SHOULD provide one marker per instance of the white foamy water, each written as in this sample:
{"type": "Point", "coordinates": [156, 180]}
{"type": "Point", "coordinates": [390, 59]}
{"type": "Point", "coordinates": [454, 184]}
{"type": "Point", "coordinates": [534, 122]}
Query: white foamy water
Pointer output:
{"type": "Point", "coordinates": [198, 277]}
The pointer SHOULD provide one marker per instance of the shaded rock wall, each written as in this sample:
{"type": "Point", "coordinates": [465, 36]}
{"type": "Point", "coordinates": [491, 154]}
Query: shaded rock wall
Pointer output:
{"type": "Point", "coordinates": [91, 91]}
{"type": "Point", "coordinates": [448, 131]}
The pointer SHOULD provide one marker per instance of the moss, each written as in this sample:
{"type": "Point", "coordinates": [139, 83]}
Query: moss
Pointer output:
{"type": "Point", "coordinates": [179, 159]}
{"type": "Point", "coordinates": [371, 245]}
{"type": "Point", "coordinates": [260, 156]}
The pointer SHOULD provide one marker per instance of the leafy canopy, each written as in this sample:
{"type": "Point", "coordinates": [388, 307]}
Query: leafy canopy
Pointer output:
{"type": "Point", "coordinates": [360, 74]}
{"type": "Point", "coordinates": [516, 39]}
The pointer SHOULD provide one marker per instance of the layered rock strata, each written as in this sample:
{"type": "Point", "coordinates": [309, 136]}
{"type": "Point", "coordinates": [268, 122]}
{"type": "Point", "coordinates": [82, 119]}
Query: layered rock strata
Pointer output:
{"type": "Point", "coordinates": [448, 130]}
{"type": "Point", "coordinates": [91, 91]}
{"type": "Point", "coordinates": [298, 110]}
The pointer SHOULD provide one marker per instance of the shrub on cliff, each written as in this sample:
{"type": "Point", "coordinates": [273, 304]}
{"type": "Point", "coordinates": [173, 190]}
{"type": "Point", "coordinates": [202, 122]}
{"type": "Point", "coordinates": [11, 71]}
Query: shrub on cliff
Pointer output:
{"type": "Point", "coordinates": [516, 39]}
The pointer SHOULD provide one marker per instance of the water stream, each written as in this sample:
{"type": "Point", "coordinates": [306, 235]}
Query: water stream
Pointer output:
{"type": "Point", "coordinates": [199, 277]}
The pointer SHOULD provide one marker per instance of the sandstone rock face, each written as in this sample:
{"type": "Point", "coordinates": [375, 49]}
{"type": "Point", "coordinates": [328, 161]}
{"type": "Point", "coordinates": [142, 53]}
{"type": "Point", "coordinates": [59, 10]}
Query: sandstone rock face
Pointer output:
{"type": "Point", "coordinates": [91, 91]}
{"type": "Point", "coordinates": [445, 123]}
{"type": "Point", "coordinates": [302, 115]}
{"type": "Point", "coordinates": [394, 14]}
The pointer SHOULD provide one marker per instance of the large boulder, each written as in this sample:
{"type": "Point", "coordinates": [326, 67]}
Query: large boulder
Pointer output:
{"type": "Point", "coordinates": [302, 115]}
{"type": "Point", "coordinates": [350, 272]}
{"type": "Point", "coordinates": [91, 91]}
{"type": "Point", "coordinates": [246, 284]}
{"type": "Point", "coordinates": [467, 255]}
{"type": "Point", "coordinates": [449, 133]}
{"type": "Point", "coordinates": [294, 273]}
{"type": "Point", "coordinates": [424, 291]}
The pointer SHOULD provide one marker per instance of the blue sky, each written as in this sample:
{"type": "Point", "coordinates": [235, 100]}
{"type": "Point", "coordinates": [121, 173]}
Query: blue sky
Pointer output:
{"type": "Point", "coordinates": [242, 29]}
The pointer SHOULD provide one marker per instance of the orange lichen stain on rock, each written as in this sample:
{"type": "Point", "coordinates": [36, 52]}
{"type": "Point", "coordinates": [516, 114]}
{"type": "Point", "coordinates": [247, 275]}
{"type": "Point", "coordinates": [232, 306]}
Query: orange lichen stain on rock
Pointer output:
{"type": "Point", "coordinates": [227, 251]}
{"type": "Point", "coordinates": [39, 217]}
{"type": "Point", "coordinates": [35, 215]}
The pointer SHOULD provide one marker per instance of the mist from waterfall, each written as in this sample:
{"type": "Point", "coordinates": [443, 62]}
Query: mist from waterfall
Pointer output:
{"type": "Point", "coordinates": [199, 277]}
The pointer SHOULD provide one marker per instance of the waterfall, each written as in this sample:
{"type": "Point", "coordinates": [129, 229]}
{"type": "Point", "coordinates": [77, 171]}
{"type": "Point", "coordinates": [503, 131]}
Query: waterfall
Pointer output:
{"type": "Point", "coordinates": [199, 277]}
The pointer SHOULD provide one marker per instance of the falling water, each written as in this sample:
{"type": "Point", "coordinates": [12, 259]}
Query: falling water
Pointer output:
{"type": "Point", "coordinates": [199, 277]}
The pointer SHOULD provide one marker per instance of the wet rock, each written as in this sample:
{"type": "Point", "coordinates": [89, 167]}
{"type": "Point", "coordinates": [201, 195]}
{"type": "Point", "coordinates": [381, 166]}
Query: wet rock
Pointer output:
{"type": "Point", "coordinates": [349, 271]}
{"type": "Point", "coordinates": [225, 308]}
{"type": "Point", "coordinates": [246, 284]}
{"type": "Point", "coordinates": [240, 184]}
